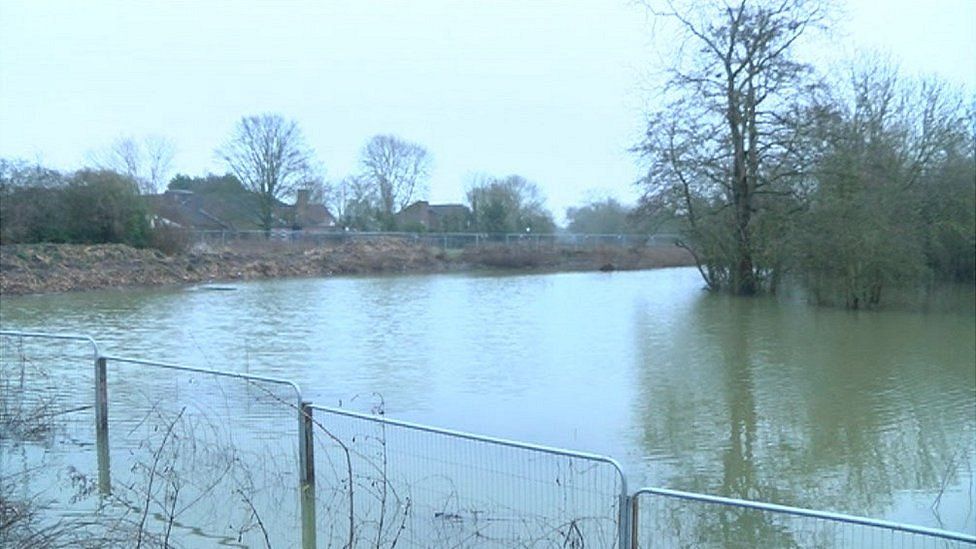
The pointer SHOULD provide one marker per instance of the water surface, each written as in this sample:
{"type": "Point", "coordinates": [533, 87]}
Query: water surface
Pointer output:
{"type": "Point", "coordinates": [870, 413]}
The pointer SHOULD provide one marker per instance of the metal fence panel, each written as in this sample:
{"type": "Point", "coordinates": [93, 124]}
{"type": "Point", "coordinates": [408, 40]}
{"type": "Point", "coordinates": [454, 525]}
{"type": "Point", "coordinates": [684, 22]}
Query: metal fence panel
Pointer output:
{"type": "Point", "coordinates": [386, 483]}
{"type": "Point", "coordinates": [204, 458]}
{"type": "Point", "coordinates": [195, 457]}
{"type": "Point", "coordinates": [48, 462]}
{"type": "Point", "coordinates": [669, 518]}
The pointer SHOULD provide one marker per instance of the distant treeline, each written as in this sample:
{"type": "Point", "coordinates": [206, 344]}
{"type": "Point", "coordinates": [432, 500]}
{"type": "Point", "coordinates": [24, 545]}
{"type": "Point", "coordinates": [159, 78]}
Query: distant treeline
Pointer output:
{"type": "Point", "coordinates": [91, 205]}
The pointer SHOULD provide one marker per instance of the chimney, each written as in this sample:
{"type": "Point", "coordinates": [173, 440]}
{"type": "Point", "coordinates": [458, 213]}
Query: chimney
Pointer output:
{"type": "Point", "coordinates": [301, 206]}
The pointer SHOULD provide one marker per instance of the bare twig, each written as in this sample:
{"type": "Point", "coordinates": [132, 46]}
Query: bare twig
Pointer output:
{"type": "Point", "coordinates": [257, 517]}
{"type": "Point", "coordinates": [152, 475]}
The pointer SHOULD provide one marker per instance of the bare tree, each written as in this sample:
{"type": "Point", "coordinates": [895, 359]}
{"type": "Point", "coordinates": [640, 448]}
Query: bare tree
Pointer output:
{"type": "Point", "coordinates": [158, 153]}
{"type": "Point", "coordinates": [399, 171]}
{"type": "Point", "coordinates": [723, 150]}
{"type": "Point", "coordinates": [148, 161]}
{"type": "Point", "coordinates": [269, 156]}
{"type": "Point", "coordinates": [124, 156]}
{"type": "Point", "coordinates": [353, 201]}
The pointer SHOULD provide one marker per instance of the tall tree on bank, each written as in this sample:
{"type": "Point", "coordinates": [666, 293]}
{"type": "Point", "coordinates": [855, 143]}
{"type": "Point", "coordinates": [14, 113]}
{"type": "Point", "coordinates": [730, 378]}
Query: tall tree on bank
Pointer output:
{"type": "Point", "coordinates": [269, 156]}
{"type": "Point", "coordinates": [398, 170]}
{"type": "Point", "coordinates": [723, 150]}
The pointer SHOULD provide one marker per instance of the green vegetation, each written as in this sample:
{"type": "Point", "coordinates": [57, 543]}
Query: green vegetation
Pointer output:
{"type": "Point", "coordinates": [87, 207]}
{"type": "Point", "coordinates": [602, 217]}
{"type": "Point", "coordinates": [509, 205]}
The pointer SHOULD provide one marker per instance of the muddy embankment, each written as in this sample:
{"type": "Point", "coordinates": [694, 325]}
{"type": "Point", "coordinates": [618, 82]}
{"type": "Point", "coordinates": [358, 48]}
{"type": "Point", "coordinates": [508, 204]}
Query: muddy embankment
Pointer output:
{"type": "Point", "coordinates": [40, 268]}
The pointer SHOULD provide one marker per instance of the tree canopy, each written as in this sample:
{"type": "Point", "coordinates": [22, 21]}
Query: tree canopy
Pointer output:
{"type": "Point", "coordinates": [509, 205]}
{"type": "Point", "coordinates": [397, 170]}
{"type": "Point", "coordinates": [605, 216]}
{"type": "Point", "coordinates": [268, 154]}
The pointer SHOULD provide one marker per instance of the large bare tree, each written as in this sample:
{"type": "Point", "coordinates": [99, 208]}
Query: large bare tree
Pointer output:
{"type": "Point", "coordinates": [398, 170]}
{"type": "Point", "coordinates": [269, 156]}
{"type": "Point", "coordinates": [723, 149]}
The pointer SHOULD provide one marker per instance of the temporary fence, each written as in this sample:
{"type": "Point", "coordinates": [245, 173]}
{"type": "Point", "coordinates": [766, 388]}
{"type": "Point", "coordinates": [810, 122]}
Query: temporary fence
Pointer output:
{"type": "Point", "coordinates": [46, 404]}
{"type": "Point", "coordinates": [382, 483]}
{"type": "Point", "coordinates": [445, 241]}
{"type": "Point", "coordinates": [671, 518]}
{"type": "Point", "coordinates": [152, 452]}
{"type": "Point", "coordinates": [207, 452]}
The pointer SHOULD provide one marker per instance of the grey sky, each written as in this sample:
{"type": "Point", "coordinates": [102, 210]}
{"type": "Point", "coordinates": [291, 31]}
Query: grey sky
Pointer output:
{"type": "Point", "coordinates": [550, 90]}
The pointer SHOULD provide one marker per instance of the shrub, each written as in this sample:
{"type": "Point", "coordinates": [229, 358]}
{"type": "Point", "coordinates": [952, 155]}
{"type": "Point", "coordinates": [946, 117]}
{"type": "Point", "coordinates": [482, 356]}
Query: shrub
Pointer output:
{"type": "Point", "coordinates": [89, 207]}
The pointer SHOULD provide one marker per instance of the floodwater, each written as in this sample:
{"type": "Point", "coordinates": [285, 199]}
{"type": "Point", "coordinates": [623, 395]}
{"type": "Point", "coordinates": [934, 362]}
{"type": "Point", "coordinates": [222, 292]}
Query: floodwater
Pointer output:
{"type": "Point", "coordinates": [868, 413]}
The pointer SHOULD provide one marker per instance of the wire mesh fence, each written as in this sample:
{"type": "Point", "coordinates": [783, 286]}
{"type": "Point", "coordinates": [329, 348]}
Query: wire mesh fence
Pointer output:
{"type": "Point", "coordinates": [48, 462]}
{"type": "Point", "coordinates": [103, 451]}
{"type": "Point", "coordinates": [673, 519]}
{"type": "Point", "coordinates": [386, 483]}
{"type": "Point", "coordinates": [204, 455]}
{"type": "Point", "coordinates": [444, 241]}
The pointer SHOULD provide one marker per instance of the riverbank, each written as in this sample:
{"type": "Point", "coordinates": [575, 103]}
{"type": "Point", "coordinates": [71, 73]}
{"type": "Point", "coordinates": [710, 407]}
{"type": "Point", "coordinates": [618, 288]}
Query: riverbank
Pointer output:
{"type": "Point", "coordinates": [46, 268]}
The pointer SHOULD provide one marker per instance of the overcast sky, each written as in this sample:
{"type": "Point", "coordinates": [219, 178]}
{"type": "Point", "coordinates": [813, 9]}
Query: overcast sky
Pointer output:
{"type": "Point", "coordinates": [551, 90]}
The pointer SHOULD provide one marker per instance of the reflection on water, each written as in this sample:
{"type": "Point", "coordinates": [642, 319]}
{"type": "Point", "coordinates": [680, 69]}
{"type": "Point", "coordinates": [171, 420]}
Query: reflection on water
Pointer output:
{"type": "Point", "coordinates": [865, 413]}
{"type": "Point", "coordinates": [868, 413]}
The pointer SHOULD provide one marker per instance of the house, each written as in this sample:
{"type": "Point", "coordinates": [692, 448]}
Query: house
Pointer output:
{"type": "Point", "coordinates": [308, 216]}
{"type": "Point", "coordinates": [225, 208]}
{"type": "Point", "coordinates": [441, 218]}
{"type": "Point", "coordinates": [186, 209]}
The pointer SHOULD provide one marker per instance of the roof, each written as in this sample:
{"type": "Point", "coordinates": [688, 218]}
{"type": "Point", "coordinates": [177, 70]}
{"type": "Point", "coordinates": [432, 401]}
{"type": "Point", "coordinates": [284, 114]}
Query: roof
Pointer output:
{"type": "Point", "coordinates": [231, 211]}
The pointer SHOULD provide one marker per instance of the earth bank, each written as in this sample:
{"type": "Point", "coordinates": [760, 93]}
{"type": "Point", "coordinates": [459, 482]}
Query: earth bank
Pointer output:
{"type": "Point", "coordinates": [41, 268]}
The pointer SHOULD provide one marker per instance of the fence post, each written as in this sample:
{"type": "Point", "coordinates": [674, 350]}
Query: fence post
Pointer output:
{"type": "Point", "coordinates": [624, 540]}
{"type": "Point", "coordinates": [306, 459]}
{"type": "Point", "coordinates": [634, 522]}
{"type": "Point", "coordinates": [101, 426]}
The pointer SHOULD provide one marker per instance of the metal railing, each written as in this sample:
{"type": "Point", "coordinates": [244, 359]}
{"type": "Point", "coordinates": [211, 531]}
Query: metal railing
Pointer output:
{"type": "Point", "coordinates": [672, 518]}
{"type": "Point", "coordinates": [270, 466]}
{"type": "Point", "coordinates": [443, 241]}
